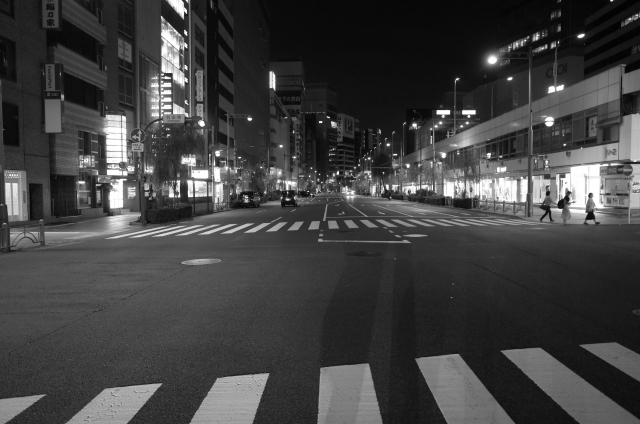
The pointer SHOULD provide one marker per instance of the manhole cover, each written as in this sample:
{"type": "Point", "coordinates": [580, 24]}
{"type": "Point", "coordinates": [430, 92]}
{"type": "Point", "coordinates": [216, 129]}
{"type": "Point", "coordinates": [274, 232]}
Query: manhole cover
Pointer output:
{"type": "Point", "coordinates": [414, 235]}
{"type": "Point", "coordinates": [201, 261]}
{"type": "Point", "coordinates": [364, 253]}
{"type": "Point", "coordinates": [637, 312]}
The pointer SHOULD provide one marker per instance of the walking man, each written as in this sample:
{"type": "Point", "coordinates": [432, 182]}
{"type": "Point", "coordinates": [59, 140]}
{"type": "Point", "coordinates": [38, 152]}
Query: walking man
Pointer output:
{"type": "Point", "coordinates": [546, 203]}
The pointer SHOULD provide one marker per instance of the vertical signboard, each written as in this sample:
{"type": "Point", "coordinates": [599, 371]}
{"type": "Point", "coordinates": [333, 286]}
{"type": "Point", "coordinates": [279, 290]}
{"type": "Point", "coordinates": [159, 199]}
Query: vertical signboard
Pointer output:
{"type": "Point", "coordinates": [53, 98]}
{"type": "Point", "coordinates": [51, 15]}
{"type": "Point", "coordinates": [166, 92]}
{"type": "Point", "coordinates": [339, 128]}
{"type": "Point", "coordinates": [200, 93]}
{"type": "Point", "coordinates": [116, 147]}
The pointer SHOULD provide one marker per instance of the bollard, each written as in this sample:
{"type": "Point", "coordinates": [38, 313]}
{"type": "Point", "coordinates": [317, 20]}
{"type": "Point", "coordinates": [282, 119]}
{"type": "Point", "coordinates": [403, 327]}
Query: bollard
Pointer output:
{"type": "Point", "coordinates": [514, 208]}
{"type": "Point", "coordinates": [41, 232]}
{"type": "Point", "coordinates": [5, 238]}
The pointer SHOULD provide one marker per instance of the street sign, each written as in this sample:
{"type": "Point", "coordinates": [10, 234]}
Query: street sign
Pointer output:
{"type": "Point", "coordinates": [138, 135]}
{"type": "Point", "coordinates": [627, 170]}
{"type": "Point", "coordinates": [173, 118]}
{"type": "Point", "coordinates": [122, 165]}
{"type": "Point", "coordinates": [137, 147]}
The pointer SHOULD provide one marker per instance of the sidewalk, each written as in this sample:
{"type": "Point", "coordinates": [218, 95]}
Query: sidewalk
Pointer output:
{"type": "Point", "coordinates": [604, 217]}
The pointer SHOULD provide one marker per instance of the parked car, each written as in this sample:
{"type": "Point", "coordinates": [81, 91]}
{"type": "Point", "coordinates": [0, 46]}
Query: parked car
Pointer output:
{"type": "Point", "coordinates": [249, 198]}
{"type": "Point", "coordinates": [304, 193]}
{"type": "Point", "coordinates": [288, 198]}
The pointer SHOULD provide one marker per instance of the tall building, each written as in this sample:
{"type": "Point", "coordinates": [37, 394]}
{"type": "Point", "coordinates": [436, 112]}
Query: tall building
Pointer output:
{"type": "Point", "coordinates": [346, 147]}
{"type": "Point", "coordinates": [613, 37]}
{"type": "Point", "coordinates": [321, 108]}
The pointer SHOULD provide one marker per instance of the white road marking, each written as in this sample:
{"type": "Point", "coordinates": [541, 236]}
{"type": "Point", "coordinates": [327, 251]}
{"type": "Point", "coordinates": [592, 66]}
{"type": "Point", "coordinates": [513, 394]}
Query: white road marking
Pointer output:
{"type": "Point", "coordinates": [350, 223]}
{"type": "Point", "coordinates": [368, 223]}
{"type": "Point", "coordinates": [232, 399]}
{"type": "Point", "coordinates": [198, 230]}
{"type": "Point", "coordinates": [333, 225]}
{"type": "Point", "coordinates": [438, 223]}
{"type": "Point", "coordinates": [215, 230]}
{"type": "Point", "coordinates": [293, 210]}
{"type": "Point", "coordinates": [133, 234]}
{"type": "Point", "coordinates": [9, 408]}
{"type": "Point", "coordinates": [296, 226]}
{"type": "Point", "coordinates": [233, 230]}
{"type": "Point", "coordinates": [460, 395]}
{"type": "Point", "coordinates": [177, 231]}
{"type": "Point", "coordinates": [258, 228]}
{"type": "Point", "coordinates": [158, 232]}
{"type": "Point", "coordinates": [454, 222]}
{"type": "Point", "coordinates": [315, 225]}
{"type": "Point", "coordinates": [364, 241]}
{"type": "Point", "coordinates": [487, 222]}
{"type": "Point", "coordinates": [386, 224]}
{"type": "Point", "coordinates": [468, 221]}
{"type": "Point", "coordinates": [415, 221]}
{"type": "Point", "coordinates": [508, 221]}
{"type": "Point", "coordinates": [276, 227]}
{"type": "Point", "coordinates": [358, 210]}
{"type": "Point", "coordinates": [578, 398]}
{"type": "Point", "coordinates": [401, 213]}
{"type": "Point", "coordinates": [619, 356]}
{"type": "Point", "coordinates": [115, 405]}
{"type": "Point", "coordinates": [276, 219]}
{"type": "Point", "coordinates": [347, 395]}
{"type": "Point", "coordinates": [325, 212]}
{"type": "Point", "coordinates": [381, 213]}
{"type": "Point", "coordinates": [403, 223]}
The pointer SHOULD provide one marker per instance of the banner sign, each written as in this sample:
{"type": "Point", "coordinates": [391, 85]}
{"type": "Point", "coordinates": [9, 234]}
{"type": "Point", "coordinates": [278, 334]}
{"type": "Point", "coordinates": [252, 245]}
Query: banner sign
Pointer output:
{"type": "Point", "coordinates": [53, 98]}
{"type": "Point", "coordinates": [51, 15]}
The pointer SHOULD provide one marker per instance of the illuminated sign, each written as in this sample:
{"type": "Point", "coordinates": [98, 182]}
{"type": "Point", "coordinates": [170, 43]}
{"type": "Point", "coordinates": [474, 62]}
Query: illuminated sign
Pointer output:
{"type": "Point", "coordinates": [200, 173]}
{"type": "Point", "coordinates": [468, 112]}
{"type": "Point", "coordinates": [53, 98]}
{"type": "Point", "coordinates": [443, 112]}
{"type": "Point", "coordinates": [116, 144]}
{"type": "Point", "coordinates": [216, 174]}
{"type": "Point", "coordinates": [189, 160]}
{"type": "Point", "coordinates": [199, 86]}
{"type": "Point", "coordinates": [166, 92]}
{"type": "Point", "coordinates": [272, 80]}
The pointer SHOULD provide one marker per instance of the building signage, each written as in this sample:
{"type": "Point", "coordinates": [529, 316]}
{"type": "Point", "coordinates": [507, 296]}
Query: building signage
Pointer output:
{"type": "Point", "coordinates": [443, 112]}
{"type": "Point", "coordinates": [611, 151]}
{"type": "Point", "coordinates": [200, 109]}
{"type": "Point", "coordinates": [200, 173]}
{"type": "Point", "coordinates": [272, 80]}
{"type": "Point", "coordinates": [166, 92]}
{"type": "Point", "coordinates": [635, 186]}
{"type": "Point", "coordinates": [593, 131]}
{"type": "Point", "coordinates": [189, 160]}
{"type": "Point", "coordinates": [177, 118]}
{"type": "Point", "coordinates": [199, 86]}
{"type": "Point", "coordinates": [347, 126]}
{"type": "Point", "coordinates": [116, 144]}
{"type": "Point", "coordinates": [103, 179]}
{"type": "Point", "coordinates": [53, 98]}
{"type": "Point", "coordinates": [51, 16]}
{"type": "Point", "coordinates": [216, 174]}
{"type": "Point", "coordinates": [611, 170]}
{"type": "Point", "coordinates": [290, 97]}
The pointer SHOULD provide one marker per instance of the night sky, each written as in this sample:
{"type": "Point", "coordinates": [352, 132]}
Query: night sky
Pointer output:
{"type": "Point", "coordinates": [384, 58]}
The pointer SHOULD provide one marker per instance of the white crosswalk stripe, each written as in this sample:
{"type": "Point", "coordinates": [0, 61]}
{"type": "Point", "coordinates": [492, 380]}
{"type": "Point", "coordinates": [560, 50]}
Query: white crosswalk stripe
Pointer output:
{"type": "Point", "coordinates": [233, 230]}
{"type": "Point", "coordinates": [386, 224]}
{"type": "Point", "coordinates": [276, 227]}
{"type": "Point", "coordinates": [424, 224]}
{"type": "Point", "coordinates": [403, 223]}
{"type": "Point", "coordinates": [315, 225]}
{"type": "Point", "coordinates": [485, 222]}
{"type": "Point", "coordinates": [137, 232]}
{"type": "Point", "coordinates": [369, 223]}
{"type": "Point", "coordinates": [258, 228]}
{"type": "Point", "coordinates": [433, 221]}
{"type": "Point", "coordinates": [468, 221]}
{"type": "Point", "coordinates": [215, 230]}
{"type": "Point", "coordinates": [460, 224]}
{"type": "Point", "coordinates": [333, 225]}
{"type": "Point", "coordinates": [350, 223]}
{"type": "Point", "coordinates": [198, 230]}
{"type": "Point", "coordinates": [158, 231]}
{"type": "Point", "coordinates": [174, 231]}
{"type": "Point", "coordinates": [347, 393]}
{"type": "Point", "coordinates": [296, 226]}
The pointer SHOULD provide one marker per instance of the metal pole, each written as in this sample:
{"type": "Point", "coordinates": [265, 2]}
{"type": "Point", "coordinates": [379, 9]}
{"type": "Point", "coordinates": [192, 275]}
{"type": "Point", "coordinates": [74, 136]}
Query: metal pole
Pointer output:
{"type": "Point", "coordinates": [41, 232]}
{"type": "Point", "coordinates": [433, 143]}
{"type": "Point", "coordinates": [4, 216]}
{"type": "Point", "coordinates": [402, 158]}
{"type": "Point", "coordinates": [530, 164]}
{"type": "Point", "coordinates": [228, 167]}
{"type": "Point", "coordinates": [455, 82]}
{"type": "Point", "coordinates": [492, 85]}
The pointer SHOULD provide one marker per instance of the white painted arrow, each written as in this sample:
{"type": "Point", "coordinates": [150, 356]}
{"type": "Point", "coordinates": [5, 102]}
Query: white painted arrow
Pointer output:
{"type": "Point", "coordinates": [381, 213]}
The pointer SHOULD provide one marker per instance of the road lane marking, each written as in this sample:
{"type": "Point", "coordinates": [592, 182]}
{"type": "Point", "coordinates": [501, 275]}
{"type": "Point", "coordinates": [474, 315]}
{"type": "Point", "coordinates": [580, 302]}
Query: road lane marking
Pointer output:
{"type": "Point", "coordinates": [401, 213]}
{"type": "Point", "coordinates": [293, 210]}
{"type": "Point", "coordinates": [368, 223]}
{"type": "Point", "coordinates": [198, 230]}
{"type": "Point", "coordinates": [276, 227]}
{"type": "Point", "coordinates": [133, 234]}
{"type": "Point", "coordinates": [115, 405]}
{"type": "Point", "coordinates": [157, 232]}
{"type": "Point", "coordinates": [578, 398]}
{"type": "Point", "coordinates": [460, 395]}
{"type": "Point", "coordinates": [363, 214]}
{"type": "Point", "coordinates": [258, 228]}
{"type": "Point", "coordinates": [508, 222]}
{"type": "Point", "coordinates": [617, 355]}
{"type": "Point", "coordinates": [333, 225]}
{"type": "Point", "coordinates": [325, 212]}
{"type": "Point", "coordinates": [386, 224]}
{"type": "Point", "coordinates": [438, 223]}
{"type": "Point", "coordinates": [177, 231]}
{"type": "Point", "coordinates": [315, 225]}
{"type": "Point", "coordinates": [403, 223]}
{"type": "Point", "coordinates": [215, 230]}
{"type": "Point", "coordinates": [347, 395]}
{"type": "Point", "coordinates": [276, 219]}
{"type": "Point", "coordinates": [415, 221]}
{"type": "Point", "coordinates": [296, 226]}
{"type": "Point", "coordinates": [468, 221]}
{"type": "Point", "coordinates": [483, 222]}
{"type": "Point", "coordinates": [237, 228]}
{"type": "Point", "coordinates": [9, 408]}
{"type": "Point", "coordinates": [454, 222]}
{"type": "Point", "coordinates": [350, 224]}
{"type": "Point", "coordinates": [232, 399]}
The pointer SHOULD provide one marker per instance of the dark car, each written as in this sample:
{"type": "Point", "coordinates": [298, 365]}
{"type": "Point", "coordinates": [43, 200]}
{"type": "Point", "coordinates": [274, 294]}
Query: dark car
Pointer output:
{"type": "Point", "coordinates": [304, 193]}
{"type": "Point", "coordinates": [288, 198]}
{"type": "Point", "coordinates": [249, 198]}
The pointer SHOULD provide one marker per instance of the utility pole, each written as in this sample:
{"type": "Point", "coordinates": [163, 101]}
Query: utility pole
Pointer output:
{"type": "Point", "coordinates": [4, 217]}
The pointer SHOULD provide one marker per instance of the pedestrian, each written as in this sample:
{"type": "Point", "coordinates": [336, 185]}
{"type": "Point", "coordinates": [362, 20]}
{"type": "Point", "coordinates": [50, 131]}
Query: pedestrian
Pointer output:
{"type": "Point", "coordinates": [546, 205]}
{"type": "Point", "coordinates": [566, 213]}
{"type": "Point", "coordinates": [591, 206]}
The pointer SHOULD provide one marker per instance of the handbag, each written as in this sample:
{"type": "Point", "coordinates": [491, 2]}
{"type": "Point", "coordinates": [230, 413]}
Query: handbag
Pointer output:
{"type": "Point", "coordinates": [543, 207]}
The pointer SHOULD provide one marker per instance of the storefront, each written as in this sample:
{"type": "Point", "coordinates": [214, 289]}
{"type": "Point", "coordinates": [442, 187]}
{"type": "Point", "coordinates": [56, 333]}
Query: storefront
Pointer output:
{"type": "Point", "coordinates": [614, 187]}
{"type": "Point", "coordinates": [15, 186]}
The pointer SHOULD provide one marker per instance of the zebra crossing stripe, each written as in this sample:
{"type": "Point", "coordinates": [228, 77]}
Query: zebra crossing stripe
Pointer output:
{"type": "Point", "coordinates": [333, 225]}
{"type": "Point", "coordinates": [198, 230]}
{"type": "Point", "coordinates": [9, 408]}
{"type": "Point", "coordinates": [347, 395]}
{"type": "Point", "coordinates": [215, 230]}
{"type": "Point", "coordinates": [485, 222]}
{"type": "Point", "coordinates": [296, 226]}
{"type": "Point", "coordinates": [619, 356]}
{"type": "Point", "coordinates": [176, 231]}
{"type": "Point", "coordinates": [460, 395]}
{"type": "Point", "coordinates": [115, 405]}
{"type": "Point", "coordinates": [582, 401]}
{"type": "Point", "coordinates": [424, 224]}
{"type": "Point", "coordinates": [158, 231]}
{"type": "Point", "coordinates": [368, 223]}
{"type": "Point", "coordinates": [386, 224]}
{"type": "Point", "coordinates": [233, 230]}
{"type": "Point", "coordinates": [133, 234]}
{"type": "Point", "coordinates": [438, 223]}
{"type": "Point", "coordinates": [232, 399]}
{"type": "Point", "coordinates": [276, 227]}
{"type": "Point", "coordinates": [350, 224]}
{"type": "Point", "coordinates": [258, 228]}
{"type": "Point", "coordinates": [454, 223]}
{"type": "Point", "coordinates": [466, 221]}
{"type": "Point", "coordinates": [403, 223]}
{"type": "Point", "coordinates": [315, 225]}
{"type": "Point", "coordinates": [509, 221]}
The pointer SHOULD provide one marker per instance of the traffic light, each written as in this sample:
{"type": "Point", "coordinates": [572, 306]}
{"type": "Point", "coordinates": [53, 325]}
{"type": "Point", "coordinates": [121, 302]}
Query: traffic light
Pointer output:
{"type": "Point", "coordinates": [195, 122]}
{"type": "Point", "coordinates": [218, 153]}
{"type": "Point", "coordinates": [546, 164]}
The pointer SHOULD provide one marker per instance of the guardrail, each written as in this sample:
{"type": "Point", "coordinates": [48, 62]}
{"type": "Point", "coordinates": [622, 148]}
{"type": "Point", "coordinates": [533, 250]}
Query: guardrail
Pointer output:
{"type": "Point", "coordinates": [5, 237]}
{"type": "Point", "coordinates": [501, 207]}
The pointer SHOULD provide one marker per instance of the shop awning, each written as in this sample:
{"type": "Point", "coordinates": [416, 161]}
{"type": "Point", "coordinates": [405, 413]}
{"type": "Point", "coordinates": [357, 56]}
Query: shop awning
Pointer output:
{"type": "Point", "coordinates": [608, 122]}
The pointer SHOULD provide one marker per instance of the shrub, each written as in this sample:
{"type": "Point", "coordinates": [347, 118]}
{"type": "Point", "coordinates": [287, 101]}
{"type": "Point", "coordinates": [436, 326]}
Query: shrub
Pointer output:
{"type": "Point", "coordinates": [178, 211]}
{"type": "Point", "coordinates": [397, 196]}
{"type": "Point", "coordinates": [465, 203]}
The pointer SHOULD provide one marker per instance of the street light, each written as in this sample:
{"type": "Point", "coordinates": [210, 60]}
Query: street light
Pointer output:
{"type": "Point", "coordinates": [555, 60]}
{"type": "Point", "coordinates": [402, 156]}
{"type": "Point", "coordinates": [455, 82]}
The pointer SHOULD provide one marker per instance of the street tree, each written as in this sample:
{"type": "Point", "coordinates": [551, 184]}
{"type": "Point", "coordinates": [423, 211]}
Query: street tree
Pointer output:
{"type": "Point", "coordinates": [466, 169]}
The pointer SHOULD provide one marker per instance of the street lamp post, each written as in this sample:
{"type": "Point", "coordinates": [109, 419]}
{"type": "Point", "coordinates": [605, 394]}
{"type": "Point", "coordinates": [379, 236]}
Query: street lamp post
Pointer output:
{"type": "Point", "coordinates": [555, 60]}
{"type": "Point", "coordinates": [402, 157]}
{"type": "Point", "coordinates": [455, 97]}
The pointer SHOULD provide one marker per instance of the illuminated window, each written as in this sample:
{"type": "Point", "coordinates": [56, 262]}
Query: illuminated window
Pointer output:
{"type": "Point", "coordinates": [630, 19]}
{"type": "Point", "coordinates": [556, 13]}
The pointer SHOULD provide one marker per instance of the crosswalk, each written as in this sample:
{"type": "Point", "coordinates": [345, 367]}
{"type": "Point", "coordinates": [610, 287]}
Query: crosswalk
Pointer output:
{"type": "Point", "coordinates": [344, 224]}
{"type": "Point", "coordinates": [347, 393]}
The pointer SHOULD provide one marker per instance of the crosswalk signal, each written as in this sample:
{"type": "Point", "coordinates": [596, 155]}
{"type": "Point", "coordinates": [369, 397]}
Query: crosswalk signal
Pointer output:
{"type": "Point", "coordinates": [546, 164]}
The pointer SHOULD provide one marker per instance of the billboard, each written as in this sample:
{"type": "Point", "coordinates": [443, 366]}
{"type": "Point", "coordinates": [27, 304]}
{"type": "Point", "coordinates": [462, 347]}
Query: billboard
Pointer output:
{"type": "Point", "coordinates": [346, 127]}
{"type": "Point", "coordinates": [292, 101]}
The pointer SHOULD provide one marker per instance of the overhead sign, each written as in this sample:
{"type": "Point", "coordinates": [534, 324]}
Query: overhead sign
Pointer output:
{"type": "Point", "coordinates": [137, 147]}
{"type": "Point", "coordinates": [138, 135]}
{"type": "Point", "coordinates": [173, 118]}
{"type": "Point", "coordinates": [468, 112]}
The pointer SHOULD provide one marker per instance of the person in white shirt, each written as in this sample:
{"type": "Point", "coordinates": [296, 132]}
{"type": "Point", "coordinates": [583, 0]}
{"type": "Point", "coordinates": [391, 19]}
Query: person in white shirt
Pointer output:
{"type": "Point", "coordinates": [591, 206]}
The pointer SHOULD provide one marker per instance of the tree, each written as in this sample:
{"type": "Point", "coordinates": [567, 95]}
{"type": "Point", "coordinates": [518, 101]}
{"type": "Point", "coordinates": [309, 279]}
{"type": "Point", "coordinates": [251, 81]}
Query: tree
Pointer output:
{"type": "Point", "coordinates": [381, 166]}
{"type": "Point", "coordinates": [466, 169]}
{"type": "Point", "coordinates": [362, 183]}
{"type": "Point", "coordinates": [167, 147]}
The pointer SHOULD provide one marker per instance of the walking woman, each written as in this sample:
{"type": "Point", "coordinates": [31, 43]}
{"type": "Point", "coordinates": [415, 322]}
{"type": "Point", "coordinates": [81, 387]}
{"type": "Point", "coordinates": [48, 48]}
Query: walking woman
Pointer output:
{"type": "Point", "coordinates": [566, 213]}
{"type": "Point", "coordinates": [591, 206]}
{"type": "Point", "coordinates": [546, 205]}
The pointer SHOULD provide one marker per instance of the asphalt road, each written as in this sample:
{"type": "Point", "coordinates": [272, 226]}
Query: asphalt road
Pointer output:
{"type": "Point", "coordinates": [355, 310]}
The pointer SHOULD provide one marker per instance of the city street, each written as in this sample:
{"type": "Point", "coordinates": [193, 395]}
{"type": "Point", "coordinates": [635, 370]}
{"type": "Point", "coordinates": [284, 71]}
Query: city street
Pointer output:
{"type": "Point", "coordinates": [341, 310]}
